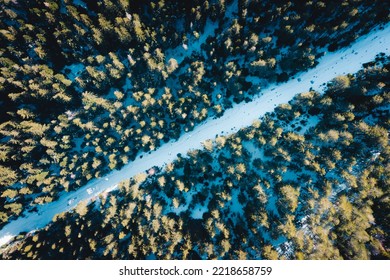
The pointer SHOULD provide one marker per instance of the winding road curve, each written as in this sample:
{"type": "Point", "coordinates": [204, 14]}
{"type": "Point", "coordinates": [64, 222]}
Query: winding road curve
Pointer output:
{"type": "Point", "coordinates": [347, 60]}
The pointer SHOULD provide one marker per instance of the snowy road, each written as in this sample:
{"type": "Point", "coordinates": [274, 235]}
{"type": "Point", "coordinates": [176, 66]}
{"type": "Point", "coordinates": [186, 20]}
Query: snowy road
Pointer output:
{"type": "Point", "coordinates": [348, 60]}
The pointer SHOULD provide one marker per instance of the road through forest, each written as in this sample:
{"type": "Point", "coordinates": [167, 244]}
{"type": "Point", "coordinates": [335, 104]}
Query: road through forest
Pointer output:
{"type": "Point", "coordinates": [344, 61]}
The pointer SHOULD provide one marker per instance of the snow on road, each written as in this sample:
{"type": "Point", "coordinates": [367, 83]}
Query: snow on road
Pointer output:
{"type": "Point", "coordinates": [348, 60]}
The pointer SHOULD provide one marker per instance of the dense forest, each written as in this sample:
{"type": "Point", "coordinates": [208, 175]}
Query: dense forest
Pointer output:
{"type": "Point", "coordinates": [307, 181]}
{"type": "Point", "coordinates": [85, 86]}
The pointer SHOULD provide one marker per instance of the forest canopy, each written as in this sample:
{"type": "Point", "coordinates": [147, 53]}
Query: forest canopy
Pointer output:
{"type": "Point", "coordinates": [307, 181]}
{"type": "Point", "coordinates": [86, 87]}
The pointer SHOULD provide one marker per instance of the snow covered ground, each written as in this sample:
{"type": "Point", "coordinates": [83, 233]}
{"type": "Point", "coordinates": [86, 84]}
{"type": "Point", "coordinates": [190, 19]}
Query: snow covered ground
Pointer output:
{"type": "Point", "coordinates": [347, 60]}
{"type": "Point", "coordinates": [194, 45]}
